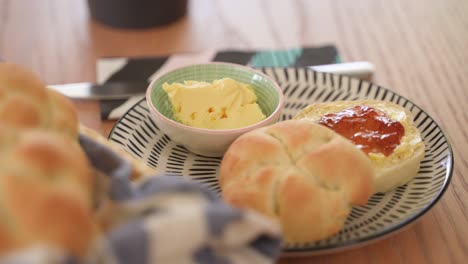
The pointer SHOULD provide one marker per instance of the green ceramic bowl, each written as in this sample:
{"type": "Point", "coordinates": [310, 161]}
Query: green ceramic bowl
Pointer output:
{"type": "Point", "coordinates": [210, 142]}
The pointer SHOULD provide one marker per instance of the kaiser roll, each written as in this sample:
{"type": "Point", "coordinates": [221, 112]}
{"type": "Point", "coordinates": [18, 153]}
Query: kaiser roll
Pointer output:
{"type": "Point", "coordinates": [303, 175]}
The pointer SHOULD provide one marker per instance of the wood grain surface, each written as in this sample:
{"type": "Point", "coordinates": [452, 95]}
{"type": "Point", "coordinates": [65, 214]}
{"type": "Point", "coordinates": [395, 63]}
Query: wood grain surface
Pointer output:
{"type": "Point", "coordinates": [419, 48]}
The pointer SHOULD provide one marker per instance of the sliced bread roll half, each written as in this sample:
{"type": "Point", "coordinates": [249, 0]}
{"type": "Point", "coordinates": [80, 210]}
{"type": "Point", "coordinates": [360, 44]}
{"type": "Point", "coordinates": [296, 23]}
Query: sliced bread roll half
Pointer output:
{"type": "Point", "coordinates": [393, 166]}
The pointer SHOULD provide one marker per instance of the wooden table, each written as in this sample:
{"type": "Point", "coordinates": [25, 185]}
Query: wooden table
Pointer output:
{"type": "Point", "coordinates": [419, 48]}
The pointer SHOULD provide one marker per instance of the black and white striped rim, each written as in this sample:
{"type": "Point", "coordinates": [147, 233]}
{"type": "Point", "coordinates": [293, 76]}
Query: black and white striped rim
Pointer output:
{"type": "Point", "coordinates": [383, 214]}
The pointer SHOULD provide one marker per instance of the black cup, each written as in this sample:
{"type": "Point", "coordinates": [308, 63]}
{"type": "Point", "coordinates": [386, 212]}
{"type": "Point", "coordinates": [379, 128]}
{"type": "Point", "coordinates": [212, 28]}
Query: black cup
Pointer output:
{"type": "Point", "coordinates": [134, 14]}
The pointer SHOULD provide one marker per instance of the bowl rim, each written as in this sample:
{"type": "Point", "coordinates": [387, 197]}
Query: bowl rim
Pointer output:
{"type": "Point", "coordinates": [274, 114]}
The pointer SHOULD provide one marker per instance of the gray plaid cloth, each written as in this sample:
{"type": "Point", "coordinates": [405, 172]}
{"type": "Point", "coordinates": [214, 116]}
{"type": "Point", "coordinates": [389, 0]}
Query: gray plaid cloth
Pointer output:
{"type": "Point", "coordinates": [166, 219]}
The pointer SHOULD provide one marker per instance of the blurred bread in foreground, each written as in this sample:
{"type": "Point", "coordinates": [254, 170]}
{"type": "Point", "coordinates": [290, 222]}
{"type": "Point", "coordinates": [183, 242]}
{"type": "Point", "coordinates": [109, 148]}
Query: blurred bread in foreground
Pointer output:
{"type": "Point", "coordinates": [303, 175]}
{"type": "Point", "coordinates": [64, 117]}
{"type": "Point", "coordinates": [47, 185]}
{"type": "Point", "coordinates": [46, 181]}
{"type": "Point", "coordinates": [399, 165]}
{"type": "Point", "coordinates": [26, 103]}
{"type": "Point", "coordinates": [45, 192]}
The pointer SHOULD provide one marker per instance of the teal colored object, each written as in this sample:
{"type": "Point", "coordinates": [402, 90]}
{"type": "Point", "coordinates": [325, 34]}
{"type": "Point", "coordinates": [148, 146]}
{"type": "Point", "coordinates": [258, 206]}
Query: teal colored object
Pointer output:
{"type": "Point", "coordinates": [267, 96]}
{"type": "Point", "coordinates": [276, 58]}
{"type": "Point", "coordinates": [338, 59]}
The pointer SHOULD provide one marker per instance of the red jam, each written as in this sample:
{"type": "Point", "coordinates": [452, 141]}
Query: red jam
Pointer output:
{"type": "Point", "coordinates": [368, 128]}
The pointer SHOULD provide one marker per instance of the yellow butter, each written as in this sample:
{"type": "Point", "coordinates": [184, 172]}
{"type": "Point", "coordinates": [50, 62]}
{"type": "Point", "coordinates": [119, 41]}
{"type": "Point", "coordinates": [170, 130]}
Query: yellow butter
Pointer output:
{"type": "Point", "coordinates": [223, 104]}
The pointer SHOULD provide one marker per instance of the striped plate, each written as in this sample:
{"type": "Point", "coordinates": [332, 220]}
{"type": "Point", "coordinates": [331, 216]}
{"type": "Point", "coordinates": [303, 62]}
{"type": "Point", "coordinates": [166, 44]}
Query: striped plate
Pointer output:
{"type": "Point", "coordinates": [384, 213]}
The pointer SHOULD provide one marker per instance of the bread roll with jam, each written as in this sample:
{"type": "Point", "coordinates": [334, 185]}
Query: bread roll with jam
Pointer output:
{"type": "Point", "coordinates": [383, 130]}
{"type": "Point", "coordinates": [299, 173]}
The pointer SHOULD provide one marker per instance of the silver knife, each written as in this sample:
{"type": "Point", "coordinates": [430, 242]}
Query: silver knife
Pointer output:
{"type": "Point", "coordinates": [105, 91]}
{"type": "Point", "coordinates": [359, 69]}
{"type": "Point", "coordinates": [124, 90]}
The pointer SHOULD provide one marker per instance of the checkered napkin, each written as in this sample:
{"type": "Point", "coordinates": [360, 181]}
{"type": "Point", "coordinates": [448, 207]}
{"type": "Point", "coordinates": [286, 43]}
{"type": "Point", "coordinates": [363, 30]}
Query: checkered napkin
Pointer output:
{"type": "Point", "coordinates": [148, 68]}
{"type": "Point", "coordinates": [166, 219]}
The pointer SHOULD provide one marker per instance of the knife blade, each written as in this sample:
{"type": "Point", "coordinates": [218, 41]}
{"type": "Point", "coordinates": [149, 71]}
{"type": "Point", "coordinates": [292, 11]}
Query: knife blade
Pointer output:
{"type": "Point", "coordinates": [358, 69]}
{"type": "Point", "coordinates": [105, 91]}
{"type": "Point", "coordinates": [124, 90]}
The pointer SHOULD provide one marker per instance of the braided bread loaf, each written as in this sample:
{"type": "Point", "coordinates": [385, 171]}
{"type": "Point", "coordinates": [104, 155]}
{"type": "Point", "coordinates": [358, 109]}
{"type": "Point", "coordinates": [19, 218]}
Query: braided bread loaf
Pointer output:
{"type": "Point", "coordinates": [45, 192]}
{"type": "Point", "coordinates": [46, 180]}
{"type": "Point", "coordinates": [26, 103]}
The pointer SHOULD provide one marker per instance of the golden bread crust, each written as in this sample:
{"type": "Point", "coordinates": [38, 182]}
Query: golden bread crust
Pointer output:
{"type": "Point", "coordinates": [26, 103]}
{"type": "Point", "coordinates": [46, 181]}
{"type": "Point", "coordinates": [45, 188]}
{"type": "Point", "coordinates": [309, 212]}
{"type": "Point", "coordinates": [64, 117]}
{"type": "Point", "coordinates": [25, 94]}
{"type": "Point", "coordinates": [303, 175]}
